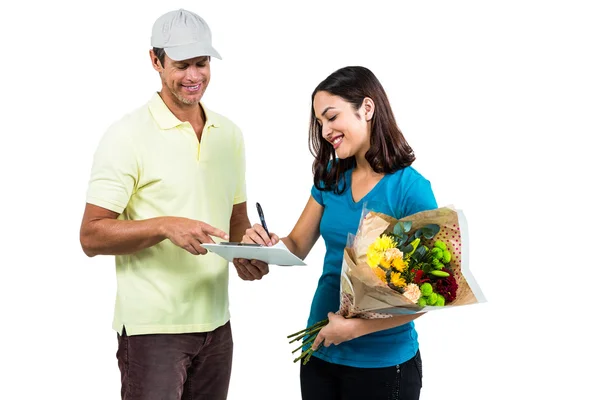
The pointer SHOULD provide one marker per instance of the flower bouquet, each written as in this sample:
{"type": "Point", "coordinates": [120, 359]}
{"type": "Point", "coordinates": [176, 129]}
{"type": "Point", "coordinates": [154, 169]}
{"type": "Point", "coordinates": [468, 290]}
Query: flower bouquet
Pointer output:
{"type": "Point", "coordinates": [393, 267]}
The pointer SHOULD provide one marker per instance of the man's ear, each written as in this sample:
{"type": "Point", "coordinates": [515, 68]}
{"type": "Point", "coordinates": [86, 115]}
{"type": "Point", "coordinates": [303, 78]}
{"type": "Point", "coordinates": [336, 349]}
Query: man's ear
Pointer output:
{"type": "Point", "coordinates": [368, 108]}
{"type": "Point", "coordinates": [155, 61]}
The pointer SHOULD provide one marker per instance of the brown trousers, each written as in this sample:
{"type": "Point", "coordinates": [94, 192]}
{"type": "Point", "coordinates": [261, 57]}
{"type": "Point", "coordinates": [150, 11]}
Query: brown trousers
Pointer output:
{"type": "Point", "coordinates": [186, 366]}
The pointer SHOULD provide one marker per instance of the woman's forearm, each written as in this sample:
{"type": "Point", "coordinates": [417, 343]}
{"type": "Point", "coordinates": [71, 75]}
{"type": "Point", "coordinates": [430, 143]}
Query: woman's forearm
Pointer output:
{"type": "Point", "coordinates": [366, 326]}
{"type": "Point", "coordinates": [293, 247]}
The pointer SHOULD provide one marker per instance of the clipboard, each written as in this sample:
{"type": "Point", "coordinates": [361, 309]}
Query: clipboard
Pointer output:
{"type": "Point", "coordinates": [274, 255]}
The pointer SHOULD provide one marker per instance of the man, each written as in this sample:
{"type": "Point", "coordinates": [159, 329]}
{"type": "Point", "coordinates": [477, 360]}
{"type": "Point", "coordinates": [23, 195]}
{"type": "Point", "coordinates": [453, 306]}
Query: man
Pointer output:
{"type": "Point", "coordinates": [174, 170]}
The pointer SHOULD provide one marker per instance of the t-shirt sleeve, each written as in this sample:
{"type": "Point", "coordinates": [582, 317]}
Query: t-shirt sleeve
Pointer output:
{"type": "Point", "coordinates": [240, 156]}
{"type": "Point", "coordinates": [317, 195]}
{"type": "Point", "coordinates": [114, 172]}
{"type": "Point", "coordinates": [418, 197]}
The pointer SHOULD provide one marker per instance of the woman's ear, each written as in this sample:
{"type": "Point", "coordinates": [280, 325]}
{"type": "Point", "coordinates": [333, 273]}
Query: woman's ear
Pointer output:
{"type": "Point", "coordinates": [368, 108]}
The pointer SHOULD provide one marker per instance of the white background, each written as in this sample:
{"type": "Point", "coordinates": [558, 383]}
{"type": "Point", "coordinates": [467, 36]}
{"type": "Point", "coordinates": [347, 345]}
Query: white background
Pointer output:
{"type": "Point", "coordinates": [499, 100]}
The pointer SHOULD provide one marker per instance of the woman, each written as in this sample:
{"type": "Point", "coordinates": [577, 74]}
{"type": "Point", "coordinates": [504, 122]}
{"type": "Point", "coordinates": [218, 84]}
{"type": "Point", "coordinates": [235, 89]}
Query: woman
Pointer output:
{"type": "Point", "coordinates": [360, 156]}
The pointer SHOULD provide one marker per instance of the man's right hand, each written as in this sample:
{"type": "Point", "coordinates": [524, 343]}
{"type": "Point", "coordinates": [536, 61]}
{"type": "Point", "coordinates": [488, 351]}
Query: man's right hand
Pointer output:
{"type": "Point", "coordinates": [189, 234]}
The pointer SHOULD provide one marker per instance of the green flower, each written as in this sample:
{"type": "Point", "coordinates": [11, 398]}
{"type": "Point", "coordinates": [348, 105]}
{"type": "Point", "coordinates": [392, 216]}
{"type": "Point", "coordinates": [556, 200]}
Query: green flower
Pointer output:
{"type": "Point", "coordinates": [437, 253]}
{"type": "Point", "coordinates": [439, 244]}
{"type": "Point", "coordinates": [437, 264]}
{"type": "Point", "coordinates": [447, 257]}
{"type": "Point", "coordinates": [440, 301]}
{"type": "Point", "coordinates": [426, 289]}
{"type": "Point", "coordinates": [422, 302]}
{"type": "Point", "coordinates": [432, 299]}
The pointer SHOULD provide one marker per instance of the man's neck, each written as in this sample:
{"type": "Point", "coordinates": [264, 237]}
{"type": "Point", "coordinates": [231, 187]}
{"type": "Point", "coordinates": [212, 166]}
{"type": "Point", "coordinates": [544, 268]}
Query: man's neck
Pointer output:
{"type": "Point", "coordinates": [192, 113]}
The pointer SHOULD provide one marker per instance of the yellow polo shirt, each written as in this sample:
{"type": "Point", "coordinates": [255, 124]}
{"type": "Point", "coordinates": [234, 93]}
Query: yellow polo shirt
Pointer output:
{"type": "Point", "coordinates": [150, 164]}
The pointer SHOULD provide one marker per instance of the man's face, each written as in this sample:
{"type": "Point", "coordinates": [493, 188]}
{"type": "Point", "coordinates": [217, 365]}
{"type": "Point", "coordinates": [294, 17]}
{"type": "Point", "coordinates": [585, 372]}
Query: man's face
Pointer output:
{"type": "Point", "coordinates": [184, 80]}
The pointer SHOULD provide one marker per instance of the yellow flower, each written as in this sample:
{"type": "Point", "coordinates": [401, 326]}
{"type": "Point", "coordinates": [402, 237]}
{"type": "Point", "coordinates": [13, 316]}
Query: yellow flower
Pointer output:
{"type": "Point", "coordinates": [385, 263]}
{"type": "Point", "coordinates": [380, 273]}
{"type": "Point", "coordinates": [398, 280]}
{"type": "Point", "coordinates": [383, 243]}
{"type": "Point", "coordinates": [373, 258]}
{"type": "Point", "coordinates": [399, 264]}
{"type": "Point", "coordinates": [394, 257]}
{"type": "Point", "coordinates": [377, 249]}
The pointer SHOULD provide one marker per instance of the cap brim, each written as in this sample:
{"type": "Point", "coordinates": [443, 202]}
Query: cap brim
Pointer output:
{"type": "Point", "coordinates": [193, 50]}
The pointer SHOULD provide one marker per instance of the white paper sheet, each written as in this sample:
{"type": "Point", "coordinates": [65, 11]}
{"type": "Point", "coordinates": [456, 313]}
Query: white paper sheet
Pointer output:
{"type": "Point", "coordinates": [274, 255]}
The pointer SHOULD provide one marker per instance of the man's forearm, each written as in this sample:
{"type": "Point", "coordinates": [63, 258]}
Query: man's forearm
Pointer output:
{"type": "Point", "coordinates": [237, 229]}
{"type": "Point", "coordinates": [117, 237]}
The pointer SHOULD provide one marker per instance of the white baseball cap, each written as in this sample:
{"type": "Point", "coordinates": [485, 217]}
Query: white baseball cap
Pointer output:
{"type": "Point", "coordinates": [183, 35]}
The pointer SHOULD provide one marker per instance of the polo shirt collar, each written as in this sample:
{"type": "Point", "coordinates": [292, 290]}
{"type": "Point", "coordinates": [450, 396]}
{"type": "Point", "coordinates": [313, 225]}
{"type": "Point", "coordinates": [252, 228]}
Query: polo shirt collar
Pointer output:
{"type": "Point", "coordinates": [167, 120]}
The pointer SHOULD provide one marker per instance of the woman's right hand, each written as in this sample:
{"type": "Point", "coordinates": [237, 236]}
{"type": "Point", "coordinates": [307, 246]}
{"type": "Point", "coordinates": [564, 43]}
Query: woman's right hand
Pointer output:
{"type": "Point", "coordinates": [258, 235]}
{"type": "Point", "coordinates": [250, 270]}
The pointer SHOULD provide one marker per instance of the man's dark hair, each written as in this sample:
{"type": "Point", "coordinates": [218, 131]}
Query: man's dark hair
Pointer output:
{"type": "Point", "coordinates": [160, 54]}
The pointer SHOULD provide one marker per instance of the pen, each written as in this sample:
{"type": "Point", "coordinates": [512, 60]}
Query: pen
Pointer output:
{"type": "Point", "coordinates": [262, 219]}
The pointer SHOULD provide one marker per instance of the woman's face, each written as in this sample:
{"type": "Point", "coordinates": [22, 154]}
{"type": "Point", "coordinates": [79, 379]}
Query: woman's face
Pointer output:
{"type": "Point", "coordinates": [346, 129]}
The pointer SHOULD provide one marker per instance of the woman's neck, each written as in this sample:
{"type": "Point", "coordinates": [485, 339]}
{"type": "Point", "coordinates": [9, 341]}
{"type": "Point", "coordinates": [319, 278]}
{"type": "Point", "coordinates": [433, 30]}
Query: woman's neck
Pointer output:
{"type": "Point", "coordinates": [362, 165]}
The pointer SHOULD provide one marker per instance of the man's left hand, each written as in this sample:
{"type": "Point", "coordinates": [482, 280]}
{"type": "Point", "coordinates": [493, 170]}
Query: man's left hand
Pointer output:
{"type": "Point", "coordinates": [250, 270]}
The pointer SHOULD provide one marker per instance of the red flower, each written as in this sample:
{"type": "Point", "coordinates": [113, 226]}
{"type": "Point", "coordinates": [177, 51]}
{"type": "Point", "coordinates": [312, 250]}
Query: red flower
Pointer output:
{"type": "Point", "coordinates": [447, 287]}
{"type": "Point", "coordinates": [419, 277]}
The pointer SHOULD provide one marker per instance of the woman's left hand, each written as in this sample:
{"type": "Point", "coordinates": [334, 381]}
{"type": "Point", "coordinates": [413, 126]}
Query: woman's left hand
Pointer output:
{"type": "Point", "coordinates": [338, 330]}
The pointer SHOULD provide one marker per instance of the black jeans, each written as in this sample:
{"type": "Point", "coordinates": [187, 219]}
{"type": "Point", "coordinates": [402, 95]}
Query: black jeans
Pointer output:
{"type": "Point", "coordinates": [321, 380]}
{"type": "Point", "coordinates": [186, 366]}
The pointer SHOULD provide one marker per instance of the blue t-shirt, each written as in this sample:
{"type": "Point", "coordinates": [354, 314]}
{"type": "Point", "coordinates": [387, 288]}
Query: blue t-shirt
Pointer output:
{"type": "Point", "coordinates": [400, 194]}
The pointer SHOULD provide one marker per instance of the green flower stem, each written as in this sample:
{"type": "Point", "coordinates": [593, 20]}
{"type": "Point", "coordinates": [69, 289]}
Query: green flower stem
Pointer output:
{"type": "Point", "coordinates": [315, 329]}
{"type": "Point", "coordinates": [322, 322]}
{"type": "Point", "coordinates": [307, 351]}
{"type": "Point", "coordinates": [308, 336]}
{"type": "Point", "coordinates": [310, 330]}
{"type": "Point", "coordinates": [309, 340]}
{"type": "Point", "coordinates": [306, 358]}
{"type": "Point", "coordinates": [299, 332]}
